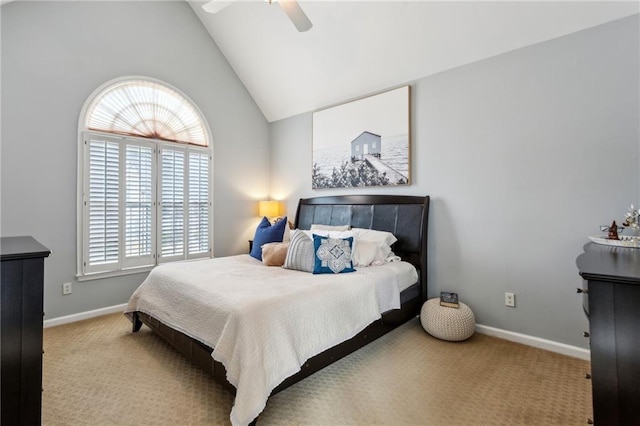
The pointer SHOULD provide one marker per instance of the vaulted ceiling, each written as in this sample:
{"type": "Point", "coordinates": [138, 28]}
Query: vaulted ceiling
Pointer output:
{"type": "Point", "coordinates": [357, 48]}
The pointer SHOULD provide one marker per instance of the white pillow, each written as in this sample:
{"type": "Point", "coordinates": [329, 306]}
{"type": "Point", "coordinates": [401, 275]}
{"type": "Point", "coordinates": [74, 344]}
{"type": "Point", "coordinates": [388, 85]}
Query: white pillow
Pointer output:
{"type": "Point", "coordinates": [373, 248]}
{"type": "Point", "coordinates": [379, 237]}
{"type": "Point", "coordinates": [330, 234]}
{"type": "Point", "coordinates": [366, 253]}
{"type": "Point", "coordinates": [287, 234]}
{"type": "Point", "coordinates": [369, 253]}
{"type": "Point", "coordinates": [320, 227]}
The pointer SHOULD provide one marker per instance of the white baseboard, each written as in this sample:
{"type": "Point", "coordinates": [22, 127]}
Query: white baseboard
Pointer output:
{"type": "Point", "coordinates": [536, 342]}
{"type": "Point", "coordinates": [84, 315]}
{"type": "Point", "coordinates": [525, 339]}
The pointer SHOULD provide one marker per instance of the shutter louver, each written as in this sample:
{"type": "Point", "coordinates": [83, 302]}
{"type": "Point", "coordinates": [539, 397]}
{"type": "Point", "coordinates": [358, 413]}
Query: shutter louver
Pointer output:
{"type": "Point", "coordinates": [139, 202]}
{"type": "Point", "coordinates": [172, 202]}
{"type": "Point", "coordinates": [103, 202]}
{"type": "Point", "coordinates": [198, 226]}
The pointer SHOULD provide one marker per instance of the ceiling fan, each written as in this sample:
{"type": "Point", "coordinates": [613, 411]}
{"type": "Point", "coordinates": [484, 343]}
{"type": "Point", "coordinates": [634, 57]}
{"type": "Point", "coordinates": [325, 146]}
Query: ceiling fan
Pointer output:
{"type": "Point", "coordinates": [290, 7]}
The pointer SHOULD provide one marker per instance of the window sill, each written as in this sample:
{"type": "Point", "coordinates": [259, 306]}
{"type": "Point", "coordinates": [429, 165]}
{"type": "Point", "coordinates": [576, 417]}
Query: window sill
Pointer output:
{"type": "Point", "coordinates": [112, 274]}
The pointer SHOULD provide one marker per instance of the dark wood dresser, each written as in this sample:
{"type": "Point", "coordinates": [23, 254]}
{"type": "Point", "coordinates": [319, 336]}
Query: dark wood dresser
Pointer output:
{"type": "Point", "coordinates": [21, 304]}
{"type": "Point", "coordinates": [613, 292]}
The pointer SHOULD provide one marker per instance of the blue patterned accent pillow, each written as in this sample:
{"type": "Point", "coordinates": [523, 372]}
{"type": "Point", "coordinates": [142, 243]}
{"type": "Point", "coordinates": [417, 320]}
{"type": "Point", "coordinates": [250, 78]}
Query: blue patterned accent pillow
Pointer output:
{"type": "Point", "coordinates": [333, 255]}
{"type": "Point", "coordinates": [267, 233]}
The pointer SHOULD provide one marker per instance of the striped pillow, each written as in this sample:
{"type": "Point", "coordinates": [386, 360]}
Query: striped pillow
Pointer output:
{"type": "Point", "coordinates": [300, 255]}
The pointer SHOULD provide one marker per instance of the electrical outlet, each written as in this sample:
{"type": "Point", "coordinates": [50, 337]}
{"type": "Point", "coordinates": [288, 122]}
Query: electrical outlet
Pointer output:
{"type": "Point", "coordinates": [510, 300]}
{"type": "Point", "coordinates": [66, 288]}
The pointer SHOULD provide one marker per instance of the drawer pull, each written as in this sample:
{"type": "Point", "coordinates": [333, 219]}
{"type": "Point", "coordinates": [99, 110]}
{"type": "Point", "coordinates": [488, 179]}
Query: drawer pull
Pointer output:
{"type": "Point", "coordinates": [582, 290]}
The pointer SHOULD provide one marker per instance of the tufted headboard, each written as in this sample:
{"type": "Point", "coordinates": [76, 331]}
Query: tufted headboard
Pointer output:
{"type": "Point", "coordinates": [405, 216]}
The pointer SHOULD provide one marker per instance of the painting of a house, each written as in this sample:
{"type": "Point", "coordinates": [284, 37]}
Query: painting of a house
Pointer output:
{"type": "Point", "coordinates": [366, 143]}
{"type": "Point", "coordinates": [363, 143]}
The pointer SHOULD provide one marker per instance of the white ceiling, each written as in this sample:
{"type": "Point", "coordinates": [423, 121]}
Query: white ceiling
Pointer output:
{"type": "Point", "coordinates": [358, 48]}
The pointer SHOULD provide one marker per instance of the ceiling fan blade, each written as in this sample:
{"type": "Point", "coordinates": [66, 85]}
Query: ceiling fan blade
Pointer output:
{"type": "Point", "coordinates": [296, 14]}
{"type": "Point", "coordinates": [215, 6]}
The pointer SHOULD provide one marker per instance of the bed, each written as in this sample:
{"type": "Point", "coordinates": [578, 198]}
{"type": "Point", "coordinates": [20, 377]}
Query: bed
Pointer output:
{"type": "Point", "coordinates": [240, 340]}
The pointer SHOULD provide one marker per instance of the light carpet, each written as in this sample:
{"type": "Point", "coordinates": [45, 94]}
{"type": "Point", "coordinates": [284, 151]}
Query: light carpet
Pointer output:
{"type": "Point", "coordinates": [97, 372]}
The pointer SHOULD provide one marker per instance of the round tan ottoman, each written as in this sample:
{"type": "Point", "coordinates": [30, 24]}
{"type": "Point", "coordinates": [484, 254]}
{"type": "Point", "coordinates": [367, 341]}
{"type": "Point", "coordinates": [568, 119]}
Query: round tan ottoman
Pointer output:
{"type": "Point", "coordinates": [447, 323]}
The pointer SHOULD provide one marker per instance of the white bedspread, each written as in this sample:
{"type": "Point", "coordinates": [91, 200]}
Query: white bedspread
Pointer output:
{"type": "Point", "coordinates": [264, 322]}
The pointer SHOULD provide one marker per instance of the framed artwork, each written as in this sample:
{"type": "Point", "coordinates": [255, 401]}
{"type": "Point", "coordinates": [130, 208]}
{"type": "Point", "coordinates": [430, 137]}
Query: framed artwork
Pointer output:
{"type": "Point", "coordinates": [363, 143]}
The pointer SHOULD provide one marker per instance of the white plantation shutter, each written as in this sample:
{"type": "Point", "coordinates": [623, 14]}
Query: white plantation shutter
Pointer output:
{"type": "Point", "coordinates": [172, 205]}
{"type": "Point", "coordinates": [198, 189]}
{"type": "Point", "coordinates": [139, 209]}
{"type": "Point", "coordinates": [145, 202]}
{"type": "Point", "coordinates": [102, 204]}
{"type": "Point", "coordinates": [144, 179]}
{"type": "Point", "coordinates": [185, 206]}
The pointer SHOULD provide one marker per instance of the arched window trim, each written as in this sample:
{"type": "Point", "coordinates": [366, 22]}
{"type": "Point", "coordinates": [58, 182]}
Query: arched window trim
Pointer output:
{"type": "Point", "coordinates": [82, 273]}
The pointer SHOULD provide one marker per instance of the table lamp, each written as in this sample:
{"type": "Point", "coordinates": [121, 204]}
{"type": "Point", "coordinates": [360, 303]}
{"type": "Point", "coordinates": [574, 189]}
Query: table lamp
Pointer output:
{"type": "Point", "coordinates": [271, 209]}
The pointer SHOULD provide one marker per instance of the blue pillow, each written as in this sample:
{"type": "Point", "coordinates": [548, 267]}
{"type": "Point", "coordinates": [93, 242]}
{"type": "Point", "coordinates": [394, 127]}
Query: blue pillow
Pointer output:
{"type": "Point", "coordinates": [332, 255]}
{"type": "Point", "coordinates": [267, 233]}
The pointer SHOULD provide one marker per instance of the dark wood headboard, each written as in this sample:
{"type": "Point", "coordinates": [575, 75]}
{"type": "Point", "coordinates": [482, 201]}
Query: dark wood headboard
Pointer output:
{"type": "Point", "coordinates": [405, 216]}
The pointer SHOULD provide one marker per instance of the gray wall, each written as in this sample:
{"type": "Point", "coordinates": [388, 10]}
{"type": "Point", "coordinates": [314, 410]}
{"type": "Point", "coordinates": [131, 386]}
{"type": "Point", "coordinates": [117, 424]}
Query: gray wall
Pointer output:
{"type": "Point", "coordinates": [54, 54]}
{"type": "Point", "coordinates": [524, 155]}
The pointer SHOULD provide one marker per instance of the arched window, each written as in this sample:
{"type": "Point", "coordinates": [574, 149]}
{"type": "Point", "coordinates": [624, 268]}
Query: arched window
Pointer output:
{"type": "Point", "coordinates": [147, 109]}
{"type": "Point", "coordinates": [144, 179]}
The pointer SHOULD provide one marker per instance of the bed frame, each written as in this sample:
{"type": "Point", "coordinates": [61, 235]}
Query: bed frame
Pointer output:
{"type": "Point", "coordinates": [404, 216]}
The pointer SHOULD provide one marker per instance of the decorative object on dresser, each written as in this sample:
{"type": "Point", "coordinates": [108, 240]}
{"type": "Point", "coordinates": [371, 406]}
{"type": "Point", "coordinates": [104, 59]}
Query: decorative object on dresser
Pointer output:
{"type": "Point", "coordinates": [630, 241]}
{"type": "Point", "coordinates": [445, 323]}
{"type": "Point", "coordinates": [613, 231]}
{"type": "Point", "coordinates": [21, 283]}
{"type": "Point", "coordinates": [612, 303]}
{"type": "Point", "coordinates": [613, 237]}
{"type": "Point", "coordinates": [632, 219]}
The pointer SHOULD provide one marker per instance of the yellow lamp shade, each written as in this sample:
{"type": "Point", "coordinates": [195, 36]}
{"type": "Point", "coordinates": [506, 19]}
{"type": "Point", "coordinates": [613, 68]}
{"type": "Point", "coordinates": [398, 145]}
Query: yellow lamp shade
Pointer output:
{"type": "Point", "coordinates": [269, 208]}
